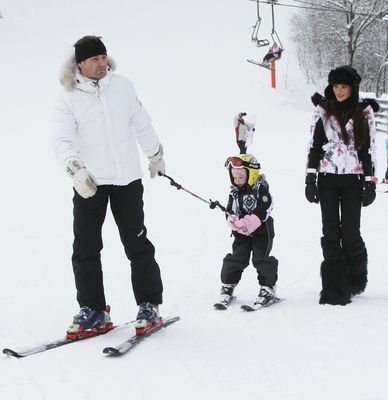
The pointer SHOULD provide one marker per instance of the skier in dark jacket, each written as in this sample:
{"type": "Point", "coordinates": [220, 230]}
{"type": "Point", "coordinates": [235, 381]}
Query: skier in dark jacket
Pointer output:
{"type": "Point", "coordinates": [342, 153]}
{"type": "Point", "coordinates": [274, 54]}
{"type": "Point", "coordinates": [249, 206]}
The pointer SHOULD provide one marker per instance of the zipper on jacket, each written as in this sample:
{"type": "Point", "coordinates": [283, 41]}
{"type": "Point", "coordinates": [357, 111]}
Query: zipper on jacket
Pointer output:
{"type": "Point", "coordinates": [101, 102]}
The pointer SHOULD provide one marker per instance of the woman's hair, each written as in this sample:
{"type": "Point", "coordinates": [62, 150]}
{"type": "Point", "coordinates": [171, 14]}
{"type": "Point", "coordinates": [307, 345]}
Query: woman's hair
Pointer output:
{"type": "Point", "coordinates": [350, 108]}
{"type": "Point", "coordinates": [342, 113]}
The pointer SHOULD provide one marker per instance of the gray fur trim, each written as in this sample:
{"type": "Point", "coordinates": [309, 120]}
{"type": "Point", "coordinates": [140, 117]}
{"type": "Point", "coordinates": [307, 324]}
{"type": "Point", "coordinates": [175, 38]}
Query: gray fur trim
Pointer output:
{"type": "Point", "coordinates": [69, 68]}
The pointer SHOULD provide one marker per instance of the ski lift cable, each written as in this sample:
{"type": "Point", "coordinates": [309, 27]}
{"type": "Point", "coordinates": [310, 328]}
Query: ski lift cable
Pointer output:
{"type": "Point", "coordinates": [317, 7]}
{"type": "Point", "coordinates": [311, 6]}
{"type": "Point", "coordinates": [258, 9]}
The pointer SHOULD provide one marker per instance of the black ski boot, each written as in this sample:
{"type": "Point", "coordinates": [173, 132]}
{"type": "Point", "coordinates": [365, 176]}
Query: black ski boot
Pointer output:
{"type": "Point", "coordinates": [335, 283]}
{"type": "Point", "coordinates": [358, 273]}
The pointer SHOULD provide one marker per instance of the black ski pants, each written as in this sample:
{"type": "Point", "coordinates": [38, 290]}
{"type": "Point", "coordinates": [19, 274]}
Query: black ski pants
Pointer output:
{"type": "Point", "coordinates": [260, 246]}
{"type": "Point", "coordinates": [340, 200]}
{"type": "Point", "coordinates": [242, 145]}
{"type": "Point", "coordinates": [126, 203]}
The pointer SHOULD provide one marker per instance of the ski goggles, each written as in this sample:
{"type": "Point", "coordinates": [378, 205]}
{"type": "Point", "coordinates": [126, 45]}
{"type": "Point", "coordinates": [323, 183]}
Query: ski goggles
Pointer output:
{"type": "Point", "coordinates": [237, 162]}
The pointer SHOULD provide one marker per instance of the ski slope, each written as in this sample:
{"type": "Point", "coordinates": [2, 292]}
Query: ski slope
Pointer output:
{"type": "Point", "coordinates": [188, 63]}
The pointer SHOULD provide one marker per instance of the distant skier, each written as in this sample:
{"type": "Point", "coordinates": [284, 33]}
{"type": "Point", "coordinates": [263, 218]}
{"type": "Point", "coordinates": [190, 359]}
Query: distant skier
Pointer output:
{"type": "Point", "coordinates": [250, 205]}
{"type": "Point", "coordinates": [274, 54]}
{"type": "Point", "coordinates": [244, 131]}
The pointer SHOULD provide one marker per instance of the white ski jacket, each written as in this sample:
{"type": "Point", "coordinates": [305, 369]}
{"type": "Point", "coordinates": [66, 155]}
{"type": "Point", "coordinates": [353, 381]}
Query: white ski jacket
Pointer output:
{"type": "Point", "coordinates": [241, 130]}
{"type": "Point", "coordinates": [101, 123]}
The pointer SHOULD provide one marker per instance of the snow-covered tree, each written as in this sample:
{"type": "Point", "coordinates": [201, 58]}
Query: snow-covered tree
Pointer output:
{"type": "Point", "coordinates": [330, 33]}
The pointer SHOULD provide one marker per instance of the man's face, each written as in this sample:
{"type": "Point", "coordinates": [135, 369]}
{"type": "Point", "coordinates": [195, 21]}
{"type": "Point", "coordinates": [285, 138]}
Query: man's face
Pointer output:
{"type": "Point", "coordinates": [94, 67]}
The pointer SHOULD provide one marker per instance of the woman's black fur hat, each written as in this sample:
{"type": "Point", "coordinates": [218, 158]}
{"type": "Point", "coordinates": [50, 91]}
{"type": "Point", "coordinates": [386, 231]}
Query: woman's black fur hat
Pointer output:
{"type": "Point", "coordinates": [346, 75]}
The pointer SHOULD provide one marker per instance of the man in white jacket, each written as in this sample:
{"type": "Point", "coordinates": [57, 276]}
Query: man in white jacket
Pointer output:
{"type": "Point", "coordinates": [98, 122]}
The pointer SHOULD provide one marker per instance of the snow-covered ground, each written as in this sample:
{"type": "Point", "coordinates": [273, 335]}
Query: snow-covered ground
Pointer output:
{"type": "Point", "coordinates": [187, 60]}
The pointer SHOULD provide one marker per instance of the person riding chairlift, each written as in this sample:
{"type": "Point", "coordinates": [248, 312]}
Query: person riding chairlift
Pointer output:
{"type": "Point", "coordinates": [274, 54]}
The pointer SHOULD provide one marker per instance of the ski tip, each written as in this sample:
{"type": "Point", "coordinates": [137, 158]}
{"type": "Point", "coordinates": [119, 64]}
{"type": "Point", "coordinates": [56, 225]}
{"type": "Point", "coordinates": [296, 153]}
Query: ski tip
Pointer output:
{"type": "Point", "coordinates": [12, 353]}
{"type": "Point", "coordinates": [219, 306]}
{"type": "Point", "coordinates": [169, 321]}
{"type": "Point", "coordinates": [247, 308]}
{"type": "Point", "coordinates": [111, 351]}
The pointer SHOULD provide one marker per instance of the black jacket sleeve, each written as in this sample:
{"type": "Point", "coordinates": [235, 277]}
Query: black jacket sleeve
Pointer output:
{"type": "Point", "coordinates": [363, 154]}
{"type": "Point", "coordinates": [316, 152]}
{"type": "Point", "coordinates": [264, 203]}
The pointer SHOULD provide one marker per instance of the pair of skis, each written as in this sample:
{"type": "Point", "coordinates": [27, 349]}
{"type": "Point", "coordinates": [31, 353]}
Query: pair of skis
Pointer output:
{"type": "Point", "coordinates": [264, 65]}
{"type": "Point", "coordinates": [119, 350]}
{"type": "Point", "coordinates": [247, 307]}
{"type": "Point", "coordinates": [382, 187]}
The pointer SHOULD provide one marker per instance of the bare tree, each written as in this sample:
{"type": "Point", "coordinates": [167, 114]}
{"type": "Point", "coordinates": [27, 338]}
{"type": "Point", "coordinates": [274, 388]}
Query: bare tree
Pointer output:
{"type": "Point", "coordinates": [382, 81]}
{"type": "Point", "coordinates": [335, 32]}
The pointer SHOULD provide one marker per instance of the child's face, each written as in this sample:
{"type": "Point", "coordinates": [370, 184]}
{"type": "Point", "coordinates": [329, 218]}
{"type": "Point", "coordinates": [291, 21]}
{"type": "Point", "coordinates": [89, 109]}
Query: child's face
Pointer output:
{"type": "Point", "coordinates": [239, 179]}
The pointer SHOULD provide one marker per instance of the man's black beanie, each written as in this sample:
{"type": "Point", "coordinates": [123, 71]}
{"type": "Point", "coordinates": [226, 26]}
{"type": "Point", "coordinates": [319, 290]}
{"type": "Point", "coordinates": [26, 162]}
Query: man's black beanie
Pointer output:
{"type": "Point", "coordinates": [89, 46]}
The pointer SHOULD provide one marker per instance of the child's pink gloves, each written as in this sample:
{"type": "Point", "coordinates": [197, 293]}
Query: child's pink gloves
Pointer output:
{"type": "Point", "coordinates": [231, 220]}
{"type": "Point", "coordinates": [245, 225]}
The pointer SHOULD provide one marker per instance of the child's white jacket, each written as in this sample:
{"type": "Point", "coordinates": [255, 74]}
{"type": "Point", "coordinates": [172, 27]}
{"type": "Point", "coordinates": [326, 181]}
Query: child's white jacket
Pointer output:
{"type": "Point", "coordinates": [101, 124]}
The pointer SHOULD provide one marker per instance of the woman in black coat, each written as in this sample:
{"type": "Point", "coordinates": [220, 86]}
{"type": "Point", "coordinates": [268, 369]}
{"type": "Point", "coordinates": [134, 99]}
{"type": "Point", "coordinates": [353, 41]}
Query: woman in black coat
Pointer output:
{"type": "Point", "coordinates": [340, 176]}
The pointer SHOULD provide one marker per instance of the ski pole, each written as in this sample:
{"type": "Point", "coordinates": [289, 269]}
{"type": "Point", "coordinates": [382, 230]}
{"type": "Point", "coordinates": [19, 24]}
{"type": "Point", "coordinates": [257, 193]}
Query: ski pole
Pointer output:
{"type": "Point", "coordinates": [212, 204]}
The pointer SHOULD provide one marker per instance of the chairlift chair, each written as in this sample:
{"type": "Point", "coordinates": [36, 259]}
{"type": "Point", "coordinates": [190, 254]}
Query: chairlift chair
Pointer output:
{"type": "Point", "coordinates": [255, 30]}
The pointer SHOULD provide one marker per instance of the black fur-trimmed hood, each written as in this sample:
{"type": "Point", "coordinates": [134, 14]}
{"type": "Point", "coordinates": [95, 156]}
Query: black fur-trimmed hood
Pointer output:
{"type": "Point", "coordinates": [370, 102]}
{"type": "Point", "coordinates": [67, 75]}
{"type": "Point", "coordinates": [318, 99]}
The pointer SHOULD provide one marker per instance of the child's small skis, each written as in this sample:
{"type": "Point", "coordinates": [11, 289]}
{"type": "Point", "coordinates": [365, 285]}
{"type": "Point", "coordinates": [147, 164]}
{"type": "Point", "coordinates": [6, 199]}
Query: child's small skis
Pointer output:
{"type": "Point", "coordinates": [224, 304]}
{"type": "Point", "coordinates": [258, 306]}
{"type": "Point", "coordinates": [382, 187]}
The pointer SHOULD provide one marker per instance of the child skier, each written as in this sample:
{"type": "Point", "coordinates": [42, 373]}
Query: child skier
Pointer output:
{"type": "Point", "coordinates": [249, 208]}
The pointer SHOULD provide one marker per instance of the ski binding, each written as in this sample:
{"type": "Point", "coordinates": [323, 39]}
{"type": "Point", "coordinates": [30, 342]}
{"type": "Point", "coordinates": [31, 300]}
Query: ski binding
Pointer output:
{"type": "Point", "coordinates": [249, 308]}
{"type": "Point", "coordinates": [223, 305]}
